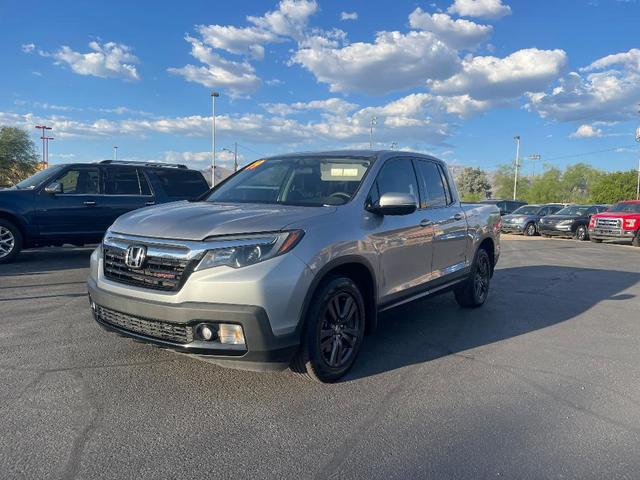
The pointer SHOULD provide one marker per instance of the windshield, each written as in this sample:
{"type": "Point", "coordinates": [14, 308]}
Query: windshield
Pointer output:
{"type": "Point", "coordinates": [526, 210]}
{"type": "Point", "coordinates": [574, 210]}
{"type": "Point", "coordinates": [625, 207]}
{"type": "Point", "coordinates": [37, 178]}
{"type": "Point", "coordinates": [309, 181]}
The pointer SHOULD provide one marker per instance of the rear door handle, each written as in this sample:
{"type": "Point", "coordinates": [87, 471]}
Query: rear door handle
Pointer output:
{"type": "Point", "coordinates": [457, 217]}
{"type": "Point", "coordinates": [426, 223]}
{"type": "Point", "coordinates": [90, 204]}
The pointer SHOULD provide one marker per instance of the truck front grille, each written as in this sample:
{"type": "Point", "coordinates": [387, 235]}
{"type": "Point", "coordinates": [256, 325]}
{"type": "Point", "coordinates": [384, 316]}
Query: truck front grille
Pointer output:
{"type": "Point", "coordinates": [608, 222]}
{"type": "Point", "coordinates": [157, 273]}
{"type": "Point", "coordinates": [173, 332]}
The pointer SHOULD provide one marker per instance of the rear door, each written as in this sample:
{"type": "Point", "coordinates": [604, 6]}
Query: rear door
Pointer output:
{"type": "Point", "coordinates": [75, 212]}
{"type": "Point", "coordinates": [125, 189]}
{"type": "Point", "coordinates": [447, 219]}
{"type": "Point", "coordinates": [403, 244]}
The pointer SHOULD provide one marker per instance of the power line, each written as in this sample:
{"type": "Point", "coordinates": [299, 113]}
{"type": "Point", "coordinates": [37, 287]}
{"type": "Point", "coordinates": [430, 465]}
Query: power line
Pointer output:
{"type": "Point", "coordinates": [251, 150]}
{"type": "Point", "coordinates": [590, 153]}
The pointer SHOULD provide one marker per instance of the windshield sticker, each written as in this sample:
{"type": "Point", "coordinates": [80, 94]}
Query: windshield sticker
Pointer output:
{"type": "Point", "coordinates": [255, 164]}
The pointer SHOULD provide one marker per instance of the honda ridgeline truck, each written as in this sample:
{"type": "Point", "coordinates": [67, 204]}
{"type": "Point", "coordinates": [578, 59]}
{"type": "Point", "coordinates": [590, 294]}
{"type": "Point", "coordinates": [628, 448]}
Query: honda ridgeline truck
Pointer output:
{"type": "Point", "coordinates": [289, 261]}
{"type": "Point", "coordinates": [621, 222]}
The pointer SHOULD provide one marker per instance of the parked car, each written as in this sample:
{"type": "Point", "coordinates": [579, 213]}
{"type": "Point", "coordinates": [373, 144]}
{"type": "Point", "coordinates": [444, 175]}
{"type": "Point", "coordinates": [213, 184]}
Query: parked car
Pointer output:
{"type": "Point", "coordinates": [506, 206]}
{"type": "Point", "coordinates": [571, 221]}
{"type": "Point", "coordinates": [525, 219]}
{"type": "Point", "coordinates": [289, 261]}
{"type": "Point", "coordinates": [76, 203]}
{"type": "Point", "coordinates": [621, 222]}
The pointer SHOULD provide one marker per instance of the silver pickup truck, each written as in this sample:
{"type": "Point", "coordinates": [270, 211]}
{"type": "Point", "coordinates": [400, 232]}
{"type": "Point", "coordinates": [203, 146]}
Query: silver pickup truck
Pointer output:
{"type": "Point", "coordinates": [288, 262]}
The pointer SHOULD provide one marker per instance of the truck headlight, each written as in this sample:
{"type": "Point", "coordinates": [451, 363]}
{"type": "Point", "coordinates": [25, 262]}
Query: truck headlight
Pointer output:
{"type": "Point", "coordinates": [251, 250]}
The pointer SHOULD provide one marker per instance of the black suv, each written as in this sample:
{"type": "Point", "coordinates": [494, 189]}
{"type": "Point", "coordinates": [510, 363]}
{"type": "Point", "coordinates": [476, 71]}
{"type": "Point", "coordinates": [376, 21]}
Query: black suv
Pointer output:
{"type": "Point", "coordinates": [76, 203]}
{"type": "Point", "coordinates": [506, 206]}
{"type": "Point", "coordinates": [571, 221]}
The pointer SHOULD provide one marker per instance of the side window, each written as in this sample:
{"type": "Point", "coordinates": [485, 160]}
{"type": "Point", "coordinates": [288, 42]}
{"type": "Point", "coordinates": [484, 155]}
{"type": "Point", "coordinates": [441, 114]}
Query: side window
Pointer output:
{"type": "Point", "coordinates": [435, 195]}
{"type": "Point", "coordinates": [445, 182]}
{"type": "Point", "coordinates": [181, 183]}
{"type": "Point", "coordinates": [554, 210]}
{"type": "Point", "coordinates": [122, 181]}
{"type": "Point", "coordinates": [503, 207]}
{"type": "Point", "coordinates": [397, 176]}
{"type": "Point", "coordinates": [592, 211]}
{"type": "Point", "coordinates": [145, 189]}
{"type": "Point", "coordinates": [80, 181]}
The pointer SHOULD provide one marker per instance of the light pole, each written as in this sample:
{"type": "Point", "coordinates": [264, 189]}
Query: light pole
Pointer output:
{"type": "Point", "coordinates": [534, 158]}
{"type": "Point", "coordinates": [515, 180]}
{"type": "Point", "coordinates": [115, 152]}
{"type": "Point", "coordinates": [372, 123]}
{"type": "Point", "coordinates": [45, 144]}
{"type": "Point", "coordinates": [638, 184]}
{"type": "Point", "coordinates": [214, 95]}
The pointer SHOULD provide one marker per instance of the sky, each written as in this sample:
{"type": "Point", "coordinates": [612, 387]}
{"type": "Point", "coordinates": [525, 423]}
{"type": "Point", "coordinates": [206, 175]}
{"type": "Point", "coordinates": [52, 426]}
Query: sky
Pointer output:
{"type": "Point", "coordinates": [456, 78]}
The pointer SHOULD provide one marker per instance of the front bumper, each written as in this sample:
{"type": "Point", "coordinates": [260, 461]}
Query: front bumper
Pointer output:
{"type": "Point", "coordinates": [612, 234]}
{"type": "Point", "coordinates": [512, 228]}
{"type": "Point", "coordinates": [555, 230]}
{"type": "Point", "coordinates": [262, 351]}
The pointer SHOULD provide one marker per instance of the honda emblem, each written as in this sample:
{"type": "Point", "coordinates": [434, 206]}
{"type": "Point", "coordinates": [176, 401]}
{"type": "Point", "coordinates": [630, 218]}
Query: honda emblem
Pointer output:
{"type": "Point", "coordinates": [135, 256]}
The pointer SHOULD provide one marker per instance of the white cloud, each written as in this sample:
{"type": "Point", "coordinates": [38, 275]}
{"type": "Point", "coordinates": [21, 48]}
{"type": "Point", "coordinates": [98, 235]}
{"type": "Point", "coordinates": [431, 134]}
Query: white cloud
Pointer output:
{"type": "Point", "coordinates": [348, 16]}
{"type": "Point", "coordinates": [28, 47]}
{"type": "Point", "coordinates": [108, 60]}
{"type": "Point", "coordinates": [273, 82]}
{"type": "Point", "coordinates": [586, 131]}
{"type": "Point", "coordinates": [334, 106]}
{"type": "Point", "coordinates": [202, 160]}
{"type": "Point", "coordinates": [395, 61]}
{"type": "Point", "coordinates": [236, 78]}
{"type": "Point", "coordinates": [608, 95]}
{"type": "Point", "coordinates": [486, 78]}
{"type": "Point", "coordinates": [241, 41]}
{"type": "Point", "coordinates": [480, 8]}
{"type": "Point", "coordinates": [289, 19]}
{"type": "Point", "coordinates": [459, 34]}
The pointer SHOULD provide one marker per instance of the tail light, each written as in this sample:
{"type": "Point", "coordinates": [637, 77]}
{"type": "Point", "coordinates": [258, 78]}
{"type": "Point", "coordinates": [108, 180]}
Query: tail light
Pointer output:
{"type": "Point", "coordinates": [629, 223]}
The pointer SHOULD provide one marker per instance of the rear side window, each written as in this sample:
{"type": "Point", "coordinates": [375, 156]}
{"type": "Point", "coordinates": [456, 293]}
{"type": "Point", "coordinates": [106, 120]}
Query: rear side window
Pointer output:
{"type": "Point", "coordinates": [125, 181]}
{"type": "Point", "coordinates": [396, 176]}
{"type": "Point", "coordinates": [435, 194]}
{"type": "Point", "coordinates": [181, 183]}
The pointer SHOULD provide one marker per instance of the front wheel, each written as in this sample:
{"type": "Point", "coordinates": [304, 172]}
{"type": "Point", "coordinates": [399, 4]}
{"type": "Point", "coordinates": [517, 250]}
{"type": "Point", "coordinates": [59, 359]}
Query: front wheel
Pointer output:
{"type": "Point", "coordinates": [474, 291]}
{"type": "Point", "coordinates": [530, 229]}
{"type": "Point", "coordinates": [581, 233]}
{"type": "Point", "coordinates": [334, 331]}
{"type": "Point", "coordinates": [10, 241]}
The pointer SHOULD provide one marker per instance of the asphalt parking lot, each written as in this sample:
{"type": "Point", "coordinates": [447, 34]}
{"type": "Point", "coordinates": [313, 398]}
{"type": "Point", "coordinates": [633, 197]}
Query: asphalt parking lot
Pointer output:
{"type": "Point", "coordinates": [542, 382]}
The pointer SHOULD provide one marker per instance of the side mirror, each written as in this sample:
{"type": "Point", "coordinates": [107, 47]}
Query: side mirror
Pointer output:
{"type": "Point", "coordinates": [394, 204]}
{"type": "Point", "coordinates": [53, 188]}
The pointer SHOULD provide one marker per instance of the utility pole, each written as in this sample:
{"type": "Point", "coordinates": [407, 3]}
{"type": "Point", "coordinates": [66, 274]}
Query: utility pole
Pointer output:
{"type": "Point", "coordinates": [115, 152]}
{"type": "Point", "coordinates": [372, 123]}
{"type": "Point", "coordinates": [214, 95]}
{"type": "Point", "coordinates": [515, 180]}
{"type": "Point", "coordinates": [45, 144]}
{"type": "Point", "coordinates": [394, 145]}
{"type": "Point", "coordinates": [534, 158]}
{"type": "Point", "coordinates": [235, 157]}
{"type": "Point", "coordinates": [638, 184]}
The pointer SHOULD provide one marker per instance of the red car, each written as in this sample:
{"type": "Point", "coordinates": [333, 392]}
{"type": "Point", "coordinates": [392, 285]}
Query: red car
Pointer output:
{"type": "Point", "coordinates": [621, 222]}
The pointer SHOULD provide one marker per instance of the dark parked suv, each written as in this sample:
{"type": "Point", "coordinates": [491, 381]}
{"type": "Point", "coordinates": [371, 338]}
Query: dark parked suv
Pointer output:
{"type": "Point", "coordinates": [76, 203]}
{"type": "Point", "coordinates": [571, 221]}
{"type": "Point", "coordinates": [506, 207]}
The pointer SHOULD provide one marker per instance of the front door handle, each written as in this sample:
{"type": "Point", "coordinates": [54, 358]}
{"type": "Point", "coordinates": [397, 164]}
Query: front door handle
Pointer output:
{"type": "Point", "coordinates": [90, 204]}
{"type": "Point", "coordinates": [426, 223]}
{"type": "Point", "coordinates": [148, 204]}
{"type": "Point", "coordinates": [457, 217]}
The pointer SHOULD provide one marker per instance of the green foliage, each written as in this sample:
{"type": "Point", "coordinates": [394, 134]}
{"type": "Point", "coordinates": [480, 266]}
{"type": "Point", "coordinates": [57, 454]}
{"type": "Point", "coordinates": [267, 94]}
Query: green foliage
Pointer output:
{"type": "Point", "coordinates": [503, 183]}
{"type": "Point", "coordinates": [546, 188]}
{"type": "Point", "coordinates": [615, 186]}
{"type": "Point", "coordinates": [18, 157]}
{"type": "Point", "coordinates": [473, 185]}
{"type": "Point", "coordinates": [577, 180]}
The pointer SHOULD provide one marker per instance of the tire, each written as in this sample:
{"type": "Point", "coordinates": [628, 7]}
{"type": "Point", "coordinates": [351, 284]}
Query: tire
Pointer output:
{"type": "Point", "coordinates": [636, 240]}
{"type": "Point", "coordinates": [595, 240]}
{"type": "Point", "coordinates": [475, 290]}
{"type": "Point", "coordinates": [581, 233]}
{"type": "Point", "coordinates": [11, 241]}
{"type": "Point", "coordinates": [530, 230]}
{"type": "Point", "coordinates": [545, 236]}
{"type": "Point", "coordinates": [333, 332]}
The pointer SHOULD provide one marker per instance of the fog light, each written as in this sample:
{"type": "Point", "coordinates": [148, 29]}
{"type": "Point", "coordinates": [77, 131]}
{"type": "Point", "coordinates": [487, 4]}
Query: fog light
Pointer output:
{"type": "Point", "coordinates": [230, 334]}
{"type": "Point", "coordinates": [206, 333]}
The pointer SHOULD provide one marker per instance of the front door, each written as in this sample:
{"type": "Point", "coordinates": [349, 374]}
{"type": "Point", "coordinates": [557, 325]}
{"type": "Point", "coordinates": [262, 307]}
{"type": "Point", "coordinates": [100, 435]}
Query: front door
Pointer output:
{"type": "Point", "coordinates": [402, 243]}
{"type": "Point", "coordinates": [74, 212]}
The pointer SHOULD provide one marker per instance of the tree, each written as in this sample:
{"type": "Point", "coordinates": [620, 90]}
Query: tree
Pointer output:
{"type": "Point", "coordinates": [546, 188]}
{"type": "Point", "coordinates": [576, 182]}
{"type": "Point", "coordinates": [615, 186]}
{"type": "Point", "coordinates": [503, 183]}
{"type": "Point", "coordinates": [473, 185]}
{"type": "Point", "coordinates": [18, 157]}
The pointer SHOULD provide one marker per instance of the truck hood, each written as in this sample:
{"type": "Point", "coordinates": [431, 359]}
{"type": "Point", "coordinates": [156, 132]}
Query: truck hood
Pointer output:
{"type": "Point", "coordinates": [199, 220]}
{"type": "Point", "coordinates": [617, 215]}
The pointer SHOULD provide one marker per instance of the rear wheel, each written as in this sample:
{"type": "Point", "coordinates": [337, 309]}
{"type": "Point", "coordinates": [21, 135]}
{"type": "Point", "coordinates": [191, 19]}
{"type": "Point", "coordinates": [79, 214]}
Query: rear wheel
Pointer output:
{"type": "Point", "coordinates": [474, 291]}
{"type": "Point", "coordinates": [334, 331]}
{"type": "Point", "coordinates": [581, 233]}
{"type": "Point", "coordinates": [10, 241]}
{"type": "Point", "coordinates": [530, 229]}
